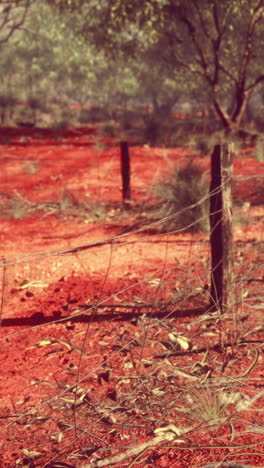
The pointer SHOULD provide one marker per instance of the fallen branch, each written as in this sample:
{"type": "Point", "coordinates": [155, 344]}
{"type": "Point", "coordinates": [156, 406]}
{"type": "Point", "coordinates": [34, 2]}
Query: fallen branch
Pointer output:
{"type": "Point", "coordinates": [168, 436]}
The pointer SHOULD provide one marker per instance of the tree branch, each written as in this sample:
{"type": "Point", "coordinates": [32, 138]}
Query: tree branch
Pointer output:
{"type": "Point", "coordinates": [13, 19]}
{"type": "Point", "coordinates": [256, 82]}
{"type": "Point", "coordinates": [224, 116]}
{"type": "Point", "coordinates": [202, 62]}
{"type": "Point", "coordinates": [228, 73]}
{"type": "Point", "coordinates": [205, 30]}
{"type": "Point", "coordinates": [258, 13]}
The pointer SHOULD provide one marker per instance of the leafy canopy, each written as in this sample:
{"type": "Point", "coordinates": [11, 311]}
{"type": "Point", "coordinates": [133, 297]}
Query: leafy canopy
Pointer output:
{"type": "Point", "coordinates": [217, 42]}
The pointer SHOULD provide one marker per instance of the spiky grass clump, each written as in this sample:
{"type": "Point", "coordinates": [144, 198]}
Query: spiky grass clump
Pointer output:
{"type": "Point", "coordinates": [207, 406]}
{"type": "Point", "coordinates": [184, 203]}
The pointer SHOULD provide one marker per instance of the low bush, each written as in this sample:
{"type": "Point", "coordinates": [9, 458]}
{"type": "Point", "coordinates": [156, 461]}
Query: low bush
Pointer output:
{"type": "Point", "coordinates": [259, 150]}
{"type": "Point", "coordinates": [95, 114]}
{"type": "Point", "coordinates": [202, 145]}
{"type": "Point", "coordinates": [7, 105]}
{"type": "Point", "coordinates": [183, 200]}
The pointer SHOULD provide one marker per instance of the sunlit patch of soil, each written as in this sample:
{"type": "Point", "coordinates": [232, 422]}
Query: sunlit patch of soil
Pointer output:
{"type": "Point", "coordinates": [106, 347]}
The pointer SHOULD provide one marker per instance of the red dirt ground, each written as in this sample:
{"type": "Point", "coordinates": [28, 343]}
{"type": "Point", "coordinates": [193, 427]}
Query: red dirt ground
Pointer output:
{"type": "Point", "coordinates": [89, 370]}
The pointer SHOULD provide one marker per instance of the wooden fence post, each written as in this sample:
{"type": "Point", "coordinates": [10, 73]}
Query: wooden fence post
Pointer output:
{"type": "Point", "coordinates": [221, 232]}
{"type": "Point", "coordinates": [125, 173]}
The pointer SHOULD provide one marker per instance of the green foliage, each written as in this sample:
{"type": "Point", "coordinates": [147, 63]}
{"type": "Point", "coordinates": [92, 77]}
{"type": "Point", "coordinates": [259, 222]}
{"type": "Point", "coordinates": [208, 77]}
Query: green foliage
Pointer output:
{"type": "Point", "coordinates": [13, 15]}
{"type": "Point", "coordinates": [29, 113]}
{"type": "Point", "coordinates": [183, 198]}
{"type": "Point", "coordinates": [203, 145]}
{"type": "Point", "coordinates": [64, 117]}
{"type": "Point", "coordinates": [217, 45]}
{"type": "Point", "coordinates": [48, 62]}
{"type": "Point", "coordinates": [92, 115]}
{"type": "Point", "coordinates": [116, 55]}
{"type": "Point", "coordinates": [45, 62]}
{"type": "Point", "coordinates": [7, 106]}
{"type": "Point", "coordinates": [260, 148]}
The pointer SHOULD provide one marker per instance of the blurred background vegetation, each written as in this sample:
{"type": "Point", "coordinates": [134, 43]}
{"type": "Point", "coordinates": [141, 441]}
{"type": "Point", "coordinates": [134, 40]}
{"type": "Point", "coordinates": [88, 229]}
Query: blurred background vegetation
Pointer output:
{"type": "Point", "coordinates": [146, 71]}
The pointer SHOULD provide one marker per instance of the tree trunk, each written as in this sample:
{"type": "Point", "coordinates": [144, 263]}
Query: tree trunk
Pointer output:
{"type": "Point", "coordinates": [221, 236]}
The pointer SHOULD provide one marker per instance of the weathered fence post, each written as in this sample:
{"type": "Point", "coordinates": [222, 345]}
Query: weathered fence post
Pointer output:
{"type": "Point", "coordinates": [221, 232]}
{"type": "Point", "coordinates": [125, 173]}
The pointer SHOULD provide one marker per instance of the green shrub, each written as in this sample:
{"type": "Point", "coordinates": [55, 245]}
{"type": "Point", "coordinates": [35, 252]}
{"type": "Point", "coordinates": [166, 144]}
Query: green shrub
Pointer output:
{"type": "Point", "coordinates": [259, 122]}
{"type": "Point", "coordinates": [95, 114]}
{"type": "Point", "coordinates": [25, 117]}
{"type": "Point", "coordinates": [202, 145]}
{"type": "Point", "coordinates": [7, 106]}
{"type": "Point", "coordinates": [172, 132]}
{"type": "Point", "coordinates": [183, 199]}
{"type": "Point", "coordinates": [64, 118]}
{"type": "Point", "coordinates": [259, 151]}
{"type": "Point", "coordinates": [106, 130]}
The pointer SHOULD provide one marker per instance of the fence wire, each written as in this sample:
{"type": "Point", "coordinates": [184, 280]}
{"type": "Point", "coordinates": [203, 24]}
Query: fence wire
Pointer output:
{"type": "Point", "coordinates": [111, 355]}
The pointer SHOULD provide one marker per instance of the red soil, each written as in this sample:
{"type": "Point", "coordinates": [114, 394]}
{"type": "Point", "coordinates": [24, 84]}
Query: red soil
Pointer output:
{"type": "Point", "coordinates": [134, 372]}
